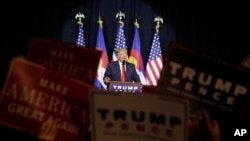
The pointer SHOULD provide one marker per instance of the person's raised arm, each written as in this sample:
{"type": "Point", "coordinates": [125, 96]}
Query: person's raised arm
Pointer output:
{"type": "Point", "coordinates": [212, 126]}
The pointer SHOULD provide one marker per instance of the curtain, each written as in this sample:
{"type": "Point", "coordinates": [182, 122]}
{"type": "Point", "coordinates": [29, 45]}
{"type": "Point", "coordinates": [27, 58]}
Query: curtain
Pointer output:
{"type": "Point", "coordinates": [212, 29]}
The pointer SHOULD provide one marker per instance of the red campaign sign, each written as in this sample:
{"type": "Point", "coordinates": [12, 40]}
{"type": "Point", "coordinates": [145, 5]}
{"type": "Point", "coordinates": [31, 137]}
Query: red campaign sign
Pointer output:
{"type": "Point", "coordinates": [35, 99]}
{"type": "Point", "coordinates": [78, 62]}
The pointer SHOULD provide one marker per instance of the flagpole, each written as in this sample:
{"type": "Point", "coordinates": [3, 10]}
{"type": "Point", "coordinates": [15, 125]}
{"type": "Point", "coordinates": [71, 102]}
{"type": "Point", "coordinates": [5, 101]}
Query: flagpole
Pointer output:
{"type": "Point", "coordinates": [120, 15]}
{"type": "Point", "coordinates": [158, 20]}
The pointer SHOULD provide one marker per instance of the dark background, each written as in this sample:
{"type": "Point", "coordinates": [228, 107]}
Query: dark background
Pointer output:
{"type": "Point", "coordinates": [217, 29]}
{"type": "Point", "coordinates": [220, 30]}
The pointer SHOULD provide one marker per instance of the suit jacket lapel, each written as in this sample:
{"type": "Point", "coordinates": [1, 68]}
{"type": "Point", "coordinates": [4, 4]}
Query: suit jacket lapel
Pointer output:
{"type": "Point", "coordinates": [118, 68]}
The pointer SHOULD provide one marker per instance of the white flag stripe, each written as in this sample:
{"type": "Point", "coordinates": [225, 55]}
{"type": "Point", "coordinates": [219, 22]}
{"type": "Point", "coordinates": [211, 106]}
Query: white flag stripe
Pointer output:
{"type": "Point", "coordinates": [151, 77]}
{"type": "Point", "coordinates": [159, 62]}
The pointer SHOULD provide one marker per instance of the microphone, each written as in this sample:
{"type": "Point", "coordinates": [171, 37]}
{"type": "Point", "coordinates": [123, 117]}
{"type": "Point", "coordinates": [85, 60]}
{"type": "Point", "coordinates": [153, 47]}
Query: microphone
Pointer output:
{"type": "Point", "coordinates": [123, 62]}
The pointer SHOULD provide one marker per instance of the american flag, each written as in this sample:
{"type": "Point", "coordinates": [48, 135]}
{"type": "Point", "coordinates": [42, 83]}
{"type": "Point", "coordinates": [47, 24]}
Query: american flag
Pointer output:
{"type": "Point", "coordinates": [154, 64]}
{"type": "Point", "coordinates": [80, 39]}
{"type": "Point", "coordinates": [120, 41]}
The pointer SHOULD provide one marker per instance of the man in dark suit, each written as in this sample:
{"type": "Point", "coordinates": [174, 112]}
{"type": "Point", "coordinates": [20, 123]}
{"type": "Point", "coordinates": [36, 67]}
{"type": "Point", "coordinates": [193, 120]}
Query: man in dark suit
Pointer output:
{"type": "Point", "coordinates": [114, 69]}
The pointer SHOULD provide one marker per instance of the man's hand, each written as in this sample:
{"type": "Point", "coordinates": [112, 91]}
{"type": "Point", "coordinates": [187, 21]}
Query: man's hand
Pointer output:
{"type": "Point", "coordinates": [107, 80]}
{"type": "Point", "coordinates": [48, 131]}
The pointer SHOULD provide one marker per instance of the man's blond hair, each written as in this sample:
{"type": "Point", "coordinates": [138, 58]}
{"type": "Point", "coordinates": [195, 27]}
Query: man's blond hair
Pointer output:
{"type": "Point", "coordinates": [122, 50]}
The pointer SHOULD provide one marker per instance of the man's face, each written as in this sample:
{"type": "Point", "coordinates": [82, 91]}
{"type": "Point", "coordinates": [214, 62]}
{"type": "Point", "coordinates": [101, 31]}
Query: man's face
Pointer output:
{"type": "Point", "coordinates": [122, 55]}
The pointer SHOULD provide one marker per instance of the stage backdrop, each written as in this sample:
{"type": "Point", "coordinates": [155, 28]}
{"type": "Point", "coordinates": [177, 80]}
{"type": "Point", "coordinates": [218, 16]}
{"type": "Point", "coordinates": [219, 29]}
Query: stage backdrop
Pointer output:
{"type": "Point", "coordinates": [214, 29]}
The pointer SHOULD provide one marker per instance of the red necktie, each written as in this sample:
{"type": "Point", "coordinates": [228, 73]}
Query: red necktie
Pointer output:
{"type": "Point", "coordinates": [123, 74]}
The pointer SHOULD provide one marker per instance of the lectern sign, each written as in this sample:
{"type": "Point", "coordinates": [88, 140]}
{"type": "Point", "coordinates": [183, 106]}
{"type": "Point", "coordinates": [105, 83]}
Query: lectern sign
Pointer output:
{"type": "Point", "coordinates": [125, 87]}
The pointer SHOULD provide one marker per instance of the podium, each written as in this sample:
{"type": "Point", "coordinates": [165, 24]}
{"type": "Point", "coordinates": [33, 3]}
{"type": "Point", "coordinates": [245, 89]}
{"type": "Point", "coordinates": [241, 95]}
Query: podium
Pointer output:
{"type": "Point", "coordinates": [124, 86]}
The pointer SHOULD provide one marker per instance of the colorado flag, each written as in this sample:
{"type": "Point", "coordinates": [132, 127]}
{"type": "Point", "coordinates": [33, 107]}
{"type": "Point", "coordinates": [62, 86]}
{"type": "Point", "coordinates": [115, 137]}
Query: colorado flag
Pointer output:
{"type": "Point", "coordinates": [100, 45]}
{"type": "Point", "coordinates": [135, 55]}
